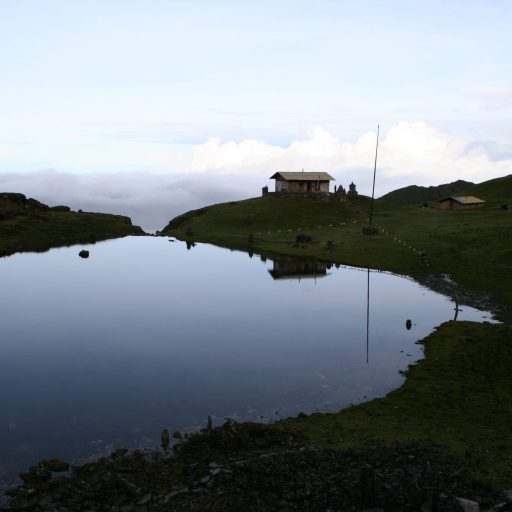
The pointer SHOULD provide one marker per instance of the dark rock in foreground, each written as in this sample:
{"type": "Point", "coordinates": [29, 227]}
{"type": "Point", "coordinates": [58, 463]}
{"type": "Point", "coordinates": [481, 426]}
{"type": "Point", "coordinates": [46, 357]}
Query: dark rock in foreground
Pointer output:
{"type": "Point", "coordinates": [253, 467]}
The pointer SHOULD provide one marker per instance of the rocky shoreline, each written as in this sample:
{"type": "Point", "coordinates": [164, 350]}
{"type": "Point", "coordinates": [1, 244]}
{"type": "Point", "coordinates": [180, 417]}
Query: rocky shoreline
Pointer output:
{"type": "Point", "coordinates": [255, 467]}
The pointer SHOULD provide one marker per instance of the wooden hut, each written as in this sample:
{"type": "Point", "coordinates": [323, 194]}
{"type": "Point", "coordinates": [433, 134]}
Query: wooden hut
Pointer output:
{"type": "Point", "coordinates": [302, 182]}
{"type": "Point", "coordinates": [461, 203]}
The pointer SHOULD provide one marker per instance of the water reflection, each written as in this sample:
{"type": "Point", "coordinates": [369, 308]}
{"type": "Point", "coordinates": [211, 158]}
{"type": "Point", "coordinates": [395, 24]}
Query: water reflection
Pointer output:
{"type": "Point", "coordinates": [368, 317]}
{"type": "Point", "coordinates": [289, 268]}
{"type": "Point", "coordinates": [457, 310]}
{"type": "Point", "coordinates": [148, 335]}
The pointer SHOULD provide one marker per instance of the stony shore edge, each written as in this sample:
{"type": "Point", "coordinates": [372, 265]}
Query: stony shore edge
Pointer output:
{"type": "Point", "coordinates": [254, 467]}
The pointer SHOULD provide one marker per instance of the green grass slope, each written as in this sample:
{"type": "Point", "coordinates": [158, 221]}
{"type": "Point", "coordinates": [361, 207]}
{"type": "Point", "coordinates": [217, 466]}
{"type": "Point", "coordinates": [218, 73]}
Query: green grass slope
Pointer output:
{"type": "Point", "coordinates": [28, 225]}
{"type": "Point", "coordinates": [267, 213]}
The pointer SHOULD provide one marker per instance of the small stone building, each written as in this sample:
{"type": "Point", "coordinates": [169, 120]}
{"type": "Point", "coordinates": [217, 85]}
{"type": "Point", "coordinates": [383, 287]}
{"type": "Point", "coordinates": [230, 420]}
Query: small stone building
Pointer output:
{"type": "Point", "coordinates": [352, 192]}
{"type": "Point", "coordinates": [302, 182]}
{"type": "Point", "coordinates": [461, 203]}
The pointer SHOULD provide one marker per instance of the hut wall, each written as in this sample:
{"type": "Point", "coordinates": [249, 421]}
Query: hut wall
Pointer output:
{"type": "Point", "coordinates": [446, 205]}
{"type": "Point", "coordinates": [324, 186]}
{"type": "Point", "coordinates": [299, 187]}
{"type": "Point", "coordinates": [281, 185]}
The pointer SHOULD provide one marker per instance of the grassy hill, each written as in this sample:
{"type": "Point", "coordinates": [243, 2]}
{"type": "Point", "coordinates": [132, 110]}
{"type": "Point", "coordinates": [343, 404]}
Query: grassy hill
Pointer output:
{"type": "Point", "coordinates": [495, 191]}
{"type": "Point", "coordinates": [268, 213]}
{"type": "Point", "coordinates": [28, 225]}
{"type": "Point", "coordinates": [415, 194]}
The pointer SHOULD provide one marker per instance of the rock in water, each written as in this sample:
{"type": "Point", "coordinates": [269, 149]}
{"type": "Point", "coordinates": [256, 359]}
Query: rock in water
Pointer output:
{"type": "Point", "coordinates": [468, 505]}
{"type": "Point", "coordinates": [55, 465]}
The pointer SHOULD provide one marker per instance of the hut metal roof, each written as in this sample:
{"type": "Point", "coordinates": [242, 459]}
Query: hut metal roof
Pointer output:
{"type": "Point", "coordinates": [464, 199]}
{"type": "Point", "coordinates": [302, 176]}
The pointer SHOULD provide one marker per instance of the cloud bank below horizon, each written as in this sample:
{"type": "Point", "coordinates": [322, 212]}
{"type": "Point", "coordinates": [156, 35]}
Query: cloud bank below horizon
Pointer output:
{"type": "Point", "coordinates": [217, 171]}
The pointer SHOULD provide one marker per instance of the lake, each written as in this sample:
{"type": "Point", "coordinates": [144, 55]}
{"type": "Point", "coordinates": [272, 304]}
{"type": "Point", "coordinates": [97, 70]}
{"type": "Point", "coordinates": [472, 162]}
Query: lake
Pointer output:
{"type": "Point", "coordinates": [145, 334]}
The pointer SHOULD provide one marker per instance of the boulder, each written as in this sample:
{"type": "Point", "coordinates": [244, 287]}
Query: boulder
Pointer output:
{"type": "Point", "coordinates": [303, 239]}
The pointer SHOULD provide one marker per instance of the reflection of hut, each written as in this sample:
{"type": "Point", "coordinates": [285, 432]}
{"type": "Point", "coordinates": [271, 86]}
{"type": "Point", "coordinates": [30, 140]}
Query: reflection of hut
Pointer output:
{"type": "Point", "coordinates": [296, 269]}
{"type": "Point", "coordinates": [461, 203]}
{"type": "Point", "coordinates": [302, 182]}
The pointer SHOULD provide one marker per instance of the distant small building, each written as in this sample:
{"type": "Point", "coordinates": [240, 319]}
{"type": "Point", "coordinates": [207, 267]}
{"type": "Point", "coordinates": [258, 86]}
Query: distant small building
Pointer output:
{"type": "Point", "coordinates": [352, 192]}
{"type": "Point", "coordinates": [302, 182]}
{"type": "Point", "coordinates": [461, 203]}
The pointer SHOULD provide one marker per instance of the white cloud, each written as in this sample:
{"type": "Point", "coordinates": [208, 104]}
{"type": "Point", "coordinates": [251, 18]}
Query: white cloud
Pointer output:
{"type": "Point", "coordinates": [249, 154]}
{"type": "Point", "coordinates": [410, 151]}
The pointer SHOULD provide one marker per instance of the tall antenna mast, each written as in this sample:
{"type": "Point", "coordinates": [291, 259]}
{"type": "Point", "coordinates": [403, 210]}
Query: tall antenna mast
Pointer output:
{"type": "Point", "coordinates": [374, 173]}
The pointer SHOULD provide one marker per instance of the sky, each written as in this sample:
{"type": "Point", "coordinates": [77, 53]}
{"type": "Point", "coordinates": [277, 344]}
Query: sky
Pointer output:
{"type": "Point", "coordinates": [151, 108]}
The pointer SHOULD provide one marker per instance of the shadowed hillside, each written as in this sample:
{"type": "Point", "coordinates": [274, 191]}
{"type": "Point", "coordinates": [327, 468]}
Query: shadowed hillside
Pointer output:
{"type": "Point", "coordinates": [28, 225]}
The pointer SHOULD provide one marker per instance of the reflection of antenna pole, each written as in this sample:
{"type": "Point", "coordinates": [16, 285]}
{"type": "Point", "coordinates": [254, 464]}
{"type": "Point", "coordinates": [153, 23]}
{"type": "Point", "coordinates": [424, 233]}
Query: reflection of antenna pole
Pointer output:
{"type": "Point", "coordinates": [367, 316]}
{"type": "Point", "coordinates": [374, 173]}
{"type": "Point", "coordinates": [456, 311]}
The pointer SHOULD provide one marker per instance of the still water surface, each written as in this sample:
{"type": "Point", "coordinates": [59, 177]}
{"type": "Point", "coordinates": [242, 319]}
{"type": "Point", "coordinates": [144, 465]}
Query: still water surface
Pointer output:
{"type": "Point", "coordinates": [105, 352]}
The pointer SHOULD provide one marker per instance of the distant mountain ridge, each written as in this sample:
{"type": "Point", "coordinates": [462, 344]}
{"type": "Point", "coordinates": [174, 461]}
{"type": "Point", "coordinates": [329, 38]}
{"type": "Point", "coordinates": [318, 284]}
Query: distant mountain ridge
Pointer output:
{"type": "Point", "coordinates": [414, 194]}
{"type": "Point", "coordinates": [496, 190]}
